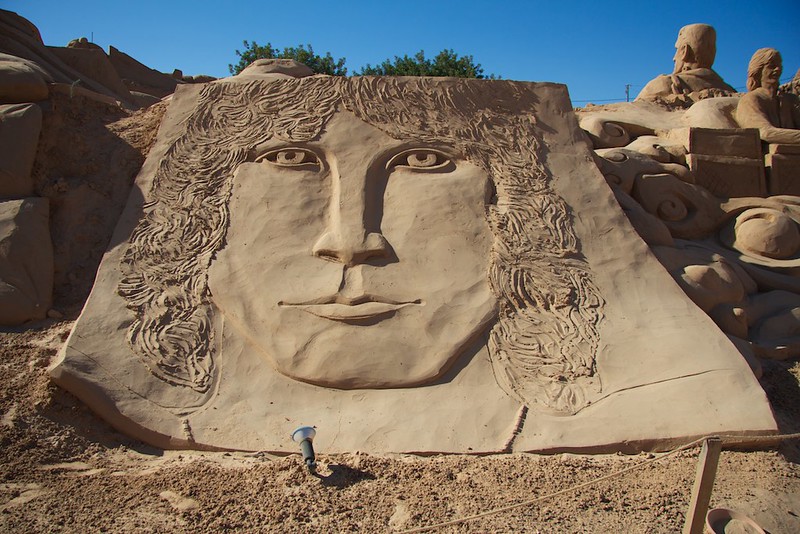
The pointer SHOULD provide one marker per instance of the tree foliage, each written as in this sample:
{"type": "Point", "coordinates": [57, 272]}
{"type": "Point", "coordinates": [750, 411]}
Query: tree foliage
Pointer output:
{"type": "Point", "coordinates": [446, 63]}
{"type": "Point", "coordinates": [304, 54]}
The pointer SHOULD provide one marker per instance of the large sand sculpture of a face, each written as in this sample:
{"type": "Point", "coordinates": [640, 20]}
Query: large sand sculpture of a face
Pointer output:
{"type": "Point", "coordinates": [389, 255]}
{"type": "Point", "coordinates": [369, 259]}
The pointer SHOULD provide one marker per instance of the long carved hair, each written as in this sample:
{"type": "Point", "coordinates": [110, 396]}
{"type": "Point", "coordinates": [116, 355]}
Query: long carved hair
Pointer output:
{"type": "Point", "coordinates": [544, 344]}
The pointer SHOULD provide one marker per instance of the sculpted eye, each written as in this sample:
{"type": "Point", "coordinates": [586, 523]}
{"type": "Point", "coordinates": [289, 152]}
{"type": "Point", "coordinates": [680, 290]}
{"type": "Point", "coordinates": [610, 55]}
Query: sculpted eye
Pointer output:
{"type": "Point", "coordinates": [421, 160]}
{"type": "Point", "coordinates": [292, 158]}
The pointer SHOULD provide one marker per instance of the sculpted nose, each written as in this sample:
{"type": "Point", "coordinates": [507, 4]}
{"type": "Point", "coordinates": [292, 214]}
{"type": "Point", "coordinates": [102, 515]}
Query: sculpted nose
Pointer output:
{"type": "Point", "coordinates": [352, 234]}
{"type": "Point", "coordinates": [351, 249]}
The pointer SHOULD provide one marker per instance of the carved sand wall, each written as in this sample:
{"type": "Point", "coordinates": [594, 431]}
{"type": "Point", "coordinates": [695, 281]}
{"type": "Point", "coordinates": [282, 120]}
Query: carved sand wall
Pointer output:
{"type": "Point", "coordinates": [546, 337]}
{"type": "Point", "coordinates": [352, 252]}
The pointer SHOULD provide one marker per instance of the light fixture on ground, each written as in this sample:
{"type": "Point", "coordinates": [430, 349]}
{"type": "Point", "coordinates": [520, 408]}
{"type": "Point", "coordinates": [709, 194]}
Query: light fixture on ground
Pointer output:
{"type": "Point", "coordinates": [304, 436]}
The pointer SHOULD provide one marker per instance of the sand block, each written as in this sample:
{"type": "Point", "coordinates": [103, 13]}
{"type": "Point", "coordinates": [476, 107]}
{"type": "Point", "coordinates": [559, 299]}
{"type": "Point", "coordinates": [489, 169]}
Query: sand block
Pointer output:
{"type": "Point", "coordinates": [26, 260]}
{"type": "Point", "coordinates": [94, 64]}
{"type": "Point", "coordinates": [410, 265]}
{"type": "Point", "coordinates": [139, 77]}
{"type": "Point", "coordinates": [741, 142]}
{"type": "Point", "coordinates": [777, 148]}
{"type": "Point", "coordinates": [784, 172]}
{"type": "Point", "coordinates": [19, 81]}
{"type": "Point", "coordinates": [20, 125]}
{"type": "Point", "coordinates": [729, 176]}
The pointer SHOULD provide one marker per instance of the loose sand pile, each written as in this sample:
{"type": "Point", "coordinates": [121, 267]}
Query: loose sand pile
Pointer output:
{"type": "Point", "coordinates": [65, 470]}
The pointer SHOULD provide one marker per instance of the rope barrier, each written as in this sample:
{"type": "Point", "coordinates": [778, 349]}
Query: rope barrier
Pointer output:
{"type": "Point", "coordinates": [730, 439]}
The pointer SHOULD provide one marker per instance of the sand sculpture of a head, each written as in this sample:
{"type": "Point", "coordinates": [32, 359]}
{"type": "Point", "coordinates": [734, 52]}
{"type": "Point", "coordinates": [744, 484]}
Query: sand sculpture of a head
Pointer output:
{"type": "Point", "coordinates": [695, 48]}
{"type": "Point", "coordinates": [764, 70]}
{"type": "Point", "coordinates": [360, 233]}
{"type": "Point", "coordinates": [763, 107]}
{"type": "Point", "coordinates": [692, 76]}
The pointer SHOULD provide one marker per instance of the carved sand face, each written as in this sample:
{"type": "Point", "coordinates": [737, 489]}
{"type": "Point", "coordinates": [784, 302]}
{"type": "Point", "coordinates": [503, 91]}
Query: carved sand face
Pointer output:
{"type": "Point", "coordinates": [684, 58]}
{"type": "Point", "coordinates": [357, 260]}
{"type": "Point", "coordinates": [771, 74]}
{"type": "Point", "coordinates": [694, 48]}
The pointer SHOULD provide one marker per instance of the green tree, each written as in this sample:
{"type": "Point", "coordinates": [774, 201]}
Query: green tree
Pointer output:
{"type": "Point", "coordinates": [446, 63]}
{"type": "Point", "coordinates": [304, 54]}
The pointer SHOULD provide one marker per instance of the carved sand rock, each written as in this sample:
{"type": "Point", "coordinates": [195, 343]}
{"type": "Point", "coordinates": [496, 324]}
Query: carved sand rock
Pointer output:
{"type": "Point", "coordinates": [30, 73]}
{"type": "Point", "coordinates": [20, 125]}
{"type": "Point", "coordinates": [693, 184]}
{"type": "Point", "coordinates": [81, 68]}
{"type": "Point", "coordinates": [410, 264]}
{"type": "Point", "coordinates": [21, 81]}
{"type": "Point", "coordinates": [26, 260]}
{"type": "Point", "coordinates": [26, 252]}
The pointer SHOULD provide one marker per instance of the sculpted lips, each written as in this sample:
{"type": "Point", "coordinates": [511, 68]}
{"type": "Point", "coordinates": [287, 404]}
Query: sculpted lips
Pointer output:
{"type": "Point", "coordinates": [339, 308]}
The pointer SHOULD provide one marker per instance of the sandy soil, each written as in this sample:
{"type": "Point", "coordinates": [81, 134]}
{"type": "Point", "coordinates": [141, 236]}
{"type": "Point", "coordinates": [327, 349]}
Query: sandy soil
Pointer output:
{"type": "Point", "coordinates": [64, 470]}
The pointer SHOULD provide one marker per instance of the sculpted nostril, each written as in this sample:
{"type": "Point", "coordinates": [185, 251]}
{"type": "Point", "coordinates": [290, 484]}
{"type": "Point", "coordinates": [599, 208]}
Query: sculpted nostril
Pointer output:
{"type": "Point", "coordinates": [351, 250]}
{"type": "Point", "coordinates": [325, 247]}
{"type": "Point", "coordinates": [328, 255]}
{"type": "Point", "coordinates": [376, 245]}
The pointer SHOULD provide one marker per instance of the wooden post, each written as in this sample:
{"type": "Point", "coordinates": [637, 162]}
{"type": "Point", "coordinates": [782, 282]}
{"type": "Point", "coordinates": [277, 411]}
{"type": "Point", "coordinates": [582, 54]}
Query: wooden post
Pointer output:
{"type": "Point", "coordinates": [703, 485]}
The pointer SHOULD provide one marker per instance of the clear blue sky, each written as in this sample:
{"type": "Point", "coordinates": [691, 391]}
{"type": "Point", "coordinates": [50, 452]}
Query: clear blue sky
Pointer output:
{"type": "Point", "coordinates": [595, 48]}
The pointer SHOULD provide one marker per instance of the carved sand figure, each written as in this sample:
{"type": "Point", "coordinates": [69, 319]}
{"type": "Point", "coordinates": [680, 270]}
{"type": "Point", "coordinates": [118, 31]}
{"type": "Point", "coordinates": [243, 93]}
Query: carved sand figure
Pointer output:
{"type": "Point", "coordinates": [695, 50]}
{"type": "Point", "coordinates": [380, 256]}
{"type": "Point", "coordinates": [363, 294]}
{"type": "Point", "coordinates": [777, 116]}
